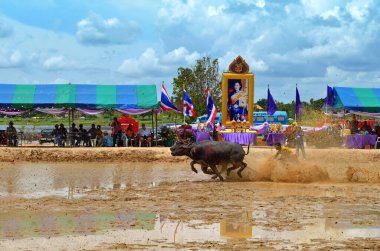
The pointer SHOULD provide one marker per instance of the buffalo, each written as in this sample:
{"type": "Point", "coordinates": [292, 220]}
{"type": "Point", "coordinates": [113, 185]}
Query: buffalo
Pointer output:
{"type": "Point", "coordinates": [212, 153]}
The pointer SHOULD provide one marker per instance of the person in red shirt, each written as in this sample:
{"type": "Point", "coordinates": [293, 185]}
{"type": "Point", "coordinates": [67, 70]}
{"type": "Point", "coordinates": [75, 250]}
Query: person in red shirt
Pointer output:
{"type": "Point", "coordinates": [377, 130]}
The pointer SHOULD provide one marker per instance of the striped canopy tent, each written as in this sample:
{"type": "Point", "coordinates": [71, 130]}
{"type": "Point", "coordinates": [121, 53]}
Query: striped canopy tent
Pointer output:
{"type": "Point", "coordinates": [357, 100]}
{"type": "Point", "coordinates": [83, 96]}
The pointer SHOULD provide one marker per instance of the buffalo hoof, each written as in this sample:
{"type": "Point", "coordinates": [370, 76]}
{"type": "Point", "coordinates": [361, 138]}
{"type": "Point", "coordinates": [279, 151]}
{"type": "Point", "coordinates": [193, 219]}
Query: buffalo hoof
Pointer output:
{"type": "Point", "coordinates": [194, 170]}
{"type": "Point", "coordinates": [239, 173]}
{"type": "Point", "coordinates": [221, 178]}
{"type": "Point", "coordinates": [214, 177]}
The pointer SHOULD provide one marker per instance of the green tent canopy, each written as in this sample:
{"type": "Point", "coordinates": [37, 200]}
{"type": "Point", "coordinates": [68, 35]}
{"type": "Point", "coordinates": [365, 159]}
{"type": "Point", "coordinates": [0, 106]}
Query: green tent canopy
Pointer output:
{"type": "Point", "coordinates": [19, 96]}
{"type": "Point", "coordinates": [357, 99]}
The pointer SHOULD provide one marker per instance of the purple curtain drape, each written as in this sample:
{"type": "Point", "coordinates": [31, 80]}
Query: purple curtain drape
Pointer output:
{"type": "Point", "coordinates": [12, 112]}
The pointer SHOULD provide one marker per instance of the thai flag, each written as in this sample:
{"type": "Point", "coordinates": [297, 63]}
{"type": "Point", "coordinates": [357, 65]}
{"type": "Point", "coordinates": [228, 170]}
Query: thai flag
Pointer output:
{"type": "Point", "coordinates": [211, 109]}
{"type": "Point", "coordinates": [166, 104]}
{"type": "Point", "coordinates": [188, 108]}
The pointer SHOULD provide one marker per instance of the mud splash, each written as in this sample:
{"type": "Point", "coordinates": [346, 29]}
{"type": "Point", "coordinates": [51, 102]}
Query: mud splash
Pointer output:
{"type": "Point", "coordinates": [334, 165]}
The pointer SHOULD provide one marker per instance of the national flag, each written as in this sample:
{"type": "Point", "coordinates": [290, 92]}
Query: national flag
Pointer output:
{"type": "Point", "coordinates": [298, 104]}
{"type": "Point", "coordinates": [166, 104]}
{"type": "Point", "coordinates": [271, 105]}
{"type": "Point", "coordinates": [211, 109]}
{"type": "Point", "coordinates": [188, 108]}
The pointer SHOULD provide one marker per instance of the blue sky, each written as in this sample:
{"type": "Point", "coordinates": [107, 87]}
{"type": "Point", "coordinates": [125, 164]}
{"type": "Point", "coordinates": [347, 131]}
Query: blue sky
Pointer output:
{"type": "Point", "coordinates": [309, 42]}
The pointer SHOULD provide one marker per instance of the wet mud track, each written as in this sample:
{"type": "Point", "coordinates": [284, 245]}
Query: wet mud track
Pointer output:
{"type": "Point", "coordinates": [164, 206]}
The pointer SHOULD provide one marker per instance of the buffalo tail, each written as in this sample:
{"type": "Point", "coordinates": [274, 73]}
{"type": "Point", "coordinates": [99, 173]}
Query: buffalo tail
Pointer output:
{"type": "Point", "coordinates": [248, 148]}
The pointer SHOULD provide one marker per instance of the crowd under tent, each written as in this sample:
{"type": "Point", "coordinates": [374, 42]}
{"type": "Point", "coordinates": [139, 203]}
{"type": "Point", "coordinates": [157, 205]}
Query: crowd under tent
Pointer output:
{"type": "Point", "coordinates": [89, 99]}
{"type": "Point", "coordinates": [359, 101]}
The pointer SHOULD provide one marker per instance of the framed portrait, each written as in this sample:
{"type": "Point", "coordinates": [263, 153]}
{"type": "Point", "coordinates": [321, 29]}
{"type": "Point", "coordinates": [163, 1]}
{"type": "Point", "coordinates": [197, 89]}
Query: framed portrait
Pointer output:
{"type": "Point", "coordinates": [237, 98]}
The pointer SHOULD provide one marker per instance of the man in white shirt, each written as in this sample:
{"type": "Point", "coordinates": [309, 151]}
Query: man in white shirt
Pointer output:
{"type": "Point", "coordinates": [144, 134]}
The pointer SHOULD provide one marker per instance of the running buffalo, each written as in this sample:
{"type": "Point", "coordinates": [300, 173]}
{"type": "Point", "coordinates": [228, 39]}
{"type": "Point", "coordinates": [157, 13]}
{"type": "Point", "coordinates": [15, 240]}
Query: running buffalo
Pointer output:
{"type": "Point", "coordinates": [212, 153]}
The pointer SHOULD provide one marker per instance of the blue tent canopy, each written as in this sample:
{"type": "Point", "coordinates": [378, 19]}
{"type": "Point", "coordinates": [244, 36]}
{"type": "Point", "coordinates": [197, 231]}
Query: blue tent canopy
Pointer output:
{"type": "Point", "coordinates": [357, 99]}
{"type": "Point", "coordinates": [21, 96]}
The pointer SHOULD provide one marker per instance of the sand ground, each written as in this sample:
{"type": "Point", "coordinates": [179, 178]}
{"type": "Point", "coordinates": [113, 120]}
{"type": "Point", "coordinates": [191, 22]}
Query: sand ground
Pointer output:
{"type": "Point", "coordinates": [145, 199]}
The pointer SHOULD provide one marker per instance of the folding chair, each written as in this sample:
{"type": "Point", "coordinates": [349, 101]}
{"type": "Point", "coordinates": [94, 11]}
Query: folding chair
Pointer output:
{"type": "Point", "coordinates": [377, 142]}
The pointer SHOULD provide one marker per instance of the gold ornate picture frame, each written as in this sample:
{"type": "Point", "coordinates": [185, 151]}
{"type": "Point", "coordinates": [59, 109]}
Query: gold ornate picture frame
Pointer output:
{"type": "Point", "coordinates": [237, 98]}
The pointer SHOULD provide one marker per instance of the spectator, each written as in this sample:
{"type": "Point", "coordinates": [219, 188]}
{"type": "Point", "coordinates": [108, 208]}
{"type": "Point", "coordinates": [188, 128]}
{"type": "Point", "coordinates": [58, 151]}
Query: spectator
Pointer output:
{"type": "Point", "coordinates": [347, 128]}
{"type": "Point", "coordinates": [130, 134]}
{"type": "Point", "coordinates": [56, 135]}
{"type": "Point", "coordinates": [365, 128]}
{"type": "Point", "coordinates": [144, 135]}
{"type": "Point", "coordinates": [377, 130]}
{"type": "Point", "coordinates": [299, 141]}
{"type": "Point", "coordinates": [354, 125]}
{"type": "Point", "coordinates": [11, 134]}
{"type": "Point", "coordinates": [74, 133]}
{"type": "Point", "coordinates": [92, 135]}
{"type": "Point", "coordinates": [116, 132]}
{"type": "Point", "coordinates": [83, 136]}
{"type": "Point", "coordinates": [62, 135]}
{"type": "Point", "coordinates": [99, 136]}
{"type": "Point", "coordinates": [107, 139]}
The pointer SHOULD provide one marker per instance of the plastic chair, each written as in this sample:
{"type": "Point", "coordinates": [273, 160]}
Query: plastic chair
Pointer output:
{"type": "Point", "coordinates": [377, 142]}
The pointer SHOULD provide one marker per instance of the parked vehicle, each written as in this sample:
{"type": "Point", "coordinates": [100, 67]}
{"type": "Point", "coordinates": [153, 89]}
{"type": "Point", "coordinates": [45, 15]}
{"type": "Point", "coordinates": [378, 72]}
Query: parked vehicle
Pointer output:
{"type": "Point", "coordinates": [278, 117]}
{"type": "Point", "coordinates": [258, 118]}
{"type": "Point", "coordinates": [218, 118]}
{"type": "Point", "coordinates": [46, 136]}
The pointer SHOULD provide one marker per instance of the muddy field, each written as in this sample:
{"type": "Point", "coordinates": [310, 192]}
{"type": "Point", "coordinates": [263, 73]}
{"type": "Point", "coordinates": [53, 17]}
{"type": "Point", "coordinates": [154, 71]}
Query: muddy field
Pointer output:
{"type": "Point", "coordinates": [144, 199]}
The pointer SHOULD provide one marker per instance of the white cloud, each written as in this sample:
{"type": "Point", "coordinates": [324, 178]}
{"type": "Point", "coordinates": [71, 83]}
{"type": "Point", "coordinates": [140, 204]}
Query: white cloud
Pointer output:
{"type": "Point", "coordinates": [11, 59]}
{"type": "Point", "coordinates": [260, 3]}
{"type": "Point", "coordinates": [60, 81]}
{"type": "Point", "coordinates": [55, 63]}
{"type": "Point", "coordinates": [147, 63]}
{"type": "Point", "coordinates": [95, 30]}
{"type": "Point", "coordinates": [322, 8]}
{"type": "Point", "coordinates": [175, 10]}
{"type": "Point", "coordinates": [215, 11]}
{"type": "Point", "coordinates": [180, 55]}
{"type": "Point", "coordinates": [5, 29]}
{"type": "Point", "coordinates": [359, 9]}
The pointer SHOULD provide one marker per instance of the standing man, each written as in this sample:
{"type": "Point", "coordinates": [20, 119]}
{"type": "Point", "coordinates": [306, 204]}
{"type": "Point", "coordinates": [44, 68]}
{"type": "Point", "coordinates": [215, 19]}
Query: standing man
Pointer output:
{"type": "Point", "coordinates": [116, 131]}
{"type": "Point", "coordinates": [92, 135]}
{"type": "Point", "coordinates": [11, 134]}
{"type": "Point", "coordinates": [74, 133]}
{"type": "Point", "coordinates": [354, 125]}
{"type": "Point", "coordinates": [299, 142]}
{"type": "Point", "coordinates": [55, 134]}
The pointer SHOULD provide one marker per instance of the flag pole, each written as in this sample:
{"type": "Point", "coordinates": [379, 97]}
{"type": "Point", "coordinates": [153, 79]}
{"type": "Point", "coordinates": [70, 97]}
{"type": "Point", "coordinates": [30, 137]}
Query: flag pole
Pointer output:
{"type": "Point", "coordinates": [295, 108]}
{"type": "Point", "coordinates": [184, 115]}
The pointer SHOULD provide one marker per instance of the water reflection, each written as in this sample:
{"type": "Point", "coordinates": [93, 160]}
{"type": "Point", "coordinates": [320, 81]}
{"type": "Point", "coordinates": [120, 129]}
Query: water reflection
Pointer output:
{"type": "Point", "coordinates": [237, 228]}
{"type": "Point", "coordinates": [74, 179]}
{"type": "Point", "coordinates": [21, 224]}
{"type": "Point", "coordinates": [145, 227]}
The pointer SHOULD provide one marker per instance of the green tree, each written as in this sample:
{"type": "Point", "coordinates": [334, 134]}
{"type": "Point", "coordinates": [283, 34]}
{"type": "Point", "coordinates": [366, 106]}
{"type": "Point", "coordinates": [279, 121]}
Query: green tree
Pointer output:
{"type": "Point", "coordinates": [195, 81]}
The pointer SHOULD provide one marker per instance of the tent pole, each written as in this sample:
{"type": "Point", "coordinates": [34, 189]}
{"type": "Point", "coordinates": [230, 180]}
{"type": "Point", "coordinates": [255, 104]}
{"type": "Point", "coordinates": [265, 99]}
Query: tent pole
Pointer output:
{"type": "Point", "coordinates": [72, 114]}
{"type": "Point", "coordinates": [156, 129]}
{"type": "Point", "coordinates": [152, 120]}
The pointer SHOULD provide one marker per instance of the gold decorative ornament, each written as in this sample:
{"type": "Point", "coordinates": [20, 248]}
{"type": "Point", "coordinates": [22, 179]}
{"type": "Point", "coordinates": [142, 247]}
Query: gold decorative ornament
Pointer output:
{"type": "Point", "coordinates": [239, 66]}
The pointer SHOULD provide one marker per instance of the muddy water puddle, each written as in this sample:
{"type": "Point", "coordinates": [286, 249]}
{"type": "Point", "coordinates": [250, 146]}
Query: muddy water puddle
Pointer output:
{"type": "Point", "coordinates": [165, 206]}
{"type": "Point", "coordinates": [149, 231]}
{"type": "Point", "coordinates": [73, 181]}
